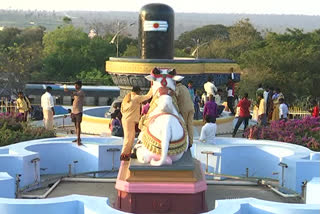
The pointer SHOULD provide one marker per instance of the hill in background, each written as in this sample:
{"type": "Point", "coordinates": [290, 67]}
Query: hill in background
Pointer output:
{"type": "Point", "coordinates": [183, 21]}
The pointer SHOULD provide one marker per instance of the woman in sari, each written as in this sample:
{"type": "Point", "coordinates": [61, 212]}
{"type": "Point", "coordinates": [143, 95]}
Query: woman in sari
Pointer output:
{"type": "Point", "coordinates": [276, 97]}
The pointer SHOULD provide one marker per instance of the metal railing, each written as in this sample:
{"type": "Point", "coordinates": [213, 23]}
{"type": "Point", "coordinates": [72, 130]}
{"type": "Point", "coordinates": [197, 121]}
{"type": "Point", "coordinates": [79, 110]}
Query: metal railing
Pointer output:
{"type": "Point", "coordinates": [297, 112]}
{"type": "Point", "coordinates": [7, 106]}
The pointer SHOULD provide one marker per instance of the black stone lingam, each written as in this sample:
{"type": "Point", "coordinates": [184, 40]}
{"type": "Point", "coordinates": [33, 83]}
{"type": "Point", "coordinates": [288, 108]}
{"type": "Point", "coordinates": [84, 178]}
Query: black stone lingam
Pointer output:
{"type": "Point", "coordinates": [156, 38]}
{"type": "Point", "coordinates": [156, 31]}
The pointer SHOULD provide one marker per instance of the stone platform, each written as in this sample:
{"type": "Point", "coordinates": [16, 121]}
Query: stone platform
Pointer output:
{"type": "Point", "coordinates": [179, 188]}
{"type": "Point", "coordinates": [181, 171]}
{"type": "Point", "coordinates": [128, 72]}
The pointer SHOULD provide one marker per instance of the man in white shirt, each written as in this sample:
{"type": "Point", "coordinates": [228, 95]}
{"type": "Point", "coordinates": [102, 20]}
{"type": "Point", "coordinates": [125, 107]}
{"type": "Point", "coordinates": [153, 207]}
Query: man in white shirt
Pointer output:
{"type": "Point", "coordinates": [283, 110]}
{"type": "Point", "coordinates": [208, 131]}
{"type": "Point", "coordinates": [47, 105]}
{"type": "Point", "coordinates": [209, 87]}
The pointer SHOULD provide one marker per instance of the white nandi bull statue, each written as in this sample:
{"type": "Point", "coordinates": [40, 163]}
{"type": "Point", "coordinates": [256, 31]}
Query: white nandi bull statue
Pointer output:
{"type": "Point", "coordinates": [163, 137]}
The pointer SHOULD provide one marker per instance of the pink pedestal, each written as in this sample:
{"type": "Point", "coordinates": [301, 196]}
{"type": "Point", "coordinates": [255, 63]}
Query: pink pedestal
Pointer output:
{"type": "Point", "coordinates": [161, 197]}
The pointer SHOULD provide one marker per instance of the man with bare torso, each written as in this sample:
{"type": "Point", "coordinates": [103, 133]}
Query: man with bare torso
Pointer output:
{"type": "Point", "coordinates": [77, 109]}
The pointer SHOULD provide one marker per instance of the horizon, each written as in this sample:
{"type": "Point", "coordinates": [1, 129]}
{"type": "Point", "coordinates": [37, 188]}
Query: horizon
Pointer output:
{"type": "Point", "coordinates": [247, 7]}
{"type": "Point", "coordinates": [176, 12]}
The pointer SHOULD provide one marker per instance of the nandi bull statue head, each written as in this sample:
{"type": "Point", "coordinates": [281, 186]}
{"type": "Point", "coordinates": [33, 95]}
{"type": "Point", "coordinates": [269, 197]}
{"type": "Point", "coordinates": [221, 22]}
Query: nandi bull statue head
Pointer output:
{"type": "Point", "coordinates": [163, 136]}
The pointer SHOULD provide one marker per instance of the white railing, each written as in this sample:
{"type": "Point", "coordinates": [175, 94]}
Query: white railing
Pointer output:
{"type": "Point", "coordinates": [297, 112]}
{"type": "Point", "coordinates": [7, 106]}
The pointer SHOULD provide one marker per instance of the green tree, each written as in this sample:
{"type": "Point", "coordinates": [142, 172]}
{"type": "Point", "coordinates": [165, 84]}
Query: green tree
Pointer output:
{"type": "Point", "coordinates": [67, 20]}
{"type": "Point", "coordinates": [66, 53]}
{"type": "Point", "coordinates": [132, 51]}
{"type": "Point", "coordinates": [288, 61]}
{"type": "Point", "coordinates": [181, 53]}
{"type": "Point", "coordinates": [20, 57]}
{"type": "Point", "coordinates": [203, 34]}
{"type": "Point", "coordinates": [95, 76]}
{"type": "Point", "coordinates": [242, 36]}
{"type": "Point", "coordinates": [8, 37]}
{"type": "Point", "coordinates": [99, 50]}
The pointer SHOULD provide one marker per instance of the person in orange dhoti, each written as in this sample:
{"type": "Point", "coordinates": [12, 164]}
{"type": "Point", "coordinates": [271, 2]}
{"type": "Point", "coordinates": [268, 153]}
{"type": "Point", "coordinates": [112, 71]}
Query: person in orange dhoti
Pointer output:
{"type": "Point", "coordinates": [130, 109]}
{"type": "Point", "coordinates": [186, 108]}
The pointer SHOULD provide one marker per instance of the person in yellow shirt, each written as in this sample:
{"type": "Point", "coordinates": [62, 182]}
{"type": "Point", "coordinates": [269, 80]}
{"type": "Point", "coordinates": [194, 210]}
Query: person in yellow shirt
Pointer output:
{"type": "Point", "coordinates": [186, 108]}
{"type": "Point", "coordinates": [261, 111]}
{"type": "Point", "coordinates": [23, 106]}
{"type": "Point", "coordinates": [130, 109]}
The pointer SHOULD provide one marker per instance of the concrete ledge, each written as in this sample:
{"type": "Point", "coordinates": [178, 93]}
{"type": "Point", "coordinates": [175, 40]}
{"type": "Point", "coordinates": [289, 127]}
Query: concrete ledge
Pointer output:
{"type": "Point", "coordinates": [72, 204]}
{"type": "Point", "coordinates": [6, 185]}
{"type": "Point", "coordinates": [312, 191]}
{"type": "Point", "coordinates": [252, 205]}
{"type": "Point", "coordinates": [79, 204]}
{"type": "Point", "coordinates": [54, 155]}
{"type": "Point", "coordinates": [260, 158]}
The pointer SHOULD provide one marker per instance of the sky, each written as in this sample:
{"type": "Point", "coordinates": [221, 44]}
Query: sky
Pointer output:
{"type": "Point", "coordinates": [298, 7]}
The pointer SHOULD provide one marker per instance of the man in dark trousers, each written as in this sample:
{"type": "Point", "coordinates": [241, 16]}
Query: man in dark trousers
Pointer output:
{"type": "Point", "coordinates": [186, 108]}
{"type": "Point", "coordinates": [230, 97]}
{"type": "Point", "coordinates": [244, 115]}
{"type": "Point", "coordinates": [77, 109]}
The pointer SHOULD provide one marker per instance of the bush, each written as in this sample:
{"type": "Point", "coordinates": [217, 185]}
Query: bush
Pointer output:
{"type": "Point", "coordinates": [304, 132]}
{"type": "Point", "coordinates": [12, 130]}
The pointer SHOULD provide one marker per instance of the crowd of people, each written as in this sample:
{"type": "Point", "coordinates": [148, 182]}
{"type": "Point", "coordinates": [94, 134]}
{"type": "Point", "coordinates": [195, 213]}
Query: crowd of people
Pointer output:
{"type": "Point", "coordinates": [193, 104]}
{"type": "Point", "coordinates": [270, 106]}
{"type": "Point", "coordinates": [23, 107]}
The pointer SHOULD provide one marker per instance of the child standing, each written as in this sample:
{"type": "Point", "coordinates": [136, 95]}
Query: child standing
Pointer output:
{"type": "Point", "coordinates": [115, 124]}
{"type": "Point", "coordinates": [210, 108]}
{"type": "Point", "coordinates": [196, 102]}
{"type": "Point", "coordinates": [208, 131]}
{"type": "Point", "coordinates": [283, 110]}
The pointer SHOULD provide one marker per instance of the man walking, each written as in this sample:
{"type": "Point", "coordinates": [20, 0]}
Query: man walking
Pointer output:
{"type": "Point", "coordinates": [47, 105]}
{"type": "Point", "coordinates": [230, 96]}
{"type": "Point", "coordinates": [244, 115]}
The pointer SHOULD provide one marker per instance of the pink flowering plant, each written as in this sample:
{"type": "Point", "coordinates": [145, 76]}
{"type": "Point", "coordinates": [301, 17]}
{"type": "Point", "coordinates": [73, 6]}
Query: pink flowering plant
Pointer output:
{"type": "Point", "coordinates": [304, 132]}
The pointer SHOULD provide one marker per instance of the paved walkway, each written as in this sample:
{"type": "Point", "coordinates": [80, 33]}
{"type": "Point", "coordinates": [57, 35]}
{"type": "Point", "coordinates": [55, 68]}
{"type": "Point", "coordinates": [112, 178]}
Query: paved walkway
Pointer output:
{"type": "Point", "coordinates": [214, 192]}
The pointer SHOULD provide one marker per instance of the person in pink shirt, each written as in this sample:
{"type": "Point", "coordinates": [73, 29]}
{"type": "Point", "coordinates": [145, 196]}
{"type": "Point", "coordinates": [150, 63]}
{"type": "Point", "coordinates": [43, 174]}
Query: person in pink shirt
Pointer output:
{"type": "Point", "coordinates": [145, 107]}
{"type": "Point", "coordinates": [210, 108]}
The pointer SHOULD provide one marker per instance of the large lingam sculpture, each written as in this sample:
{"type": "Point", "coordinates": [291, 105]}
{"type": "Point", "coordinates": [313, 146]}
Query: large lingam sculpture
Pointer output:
{"type": "Point", "coordinates": [163, 136]}
{"type": "Point", "coordinates": [156, 39]}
